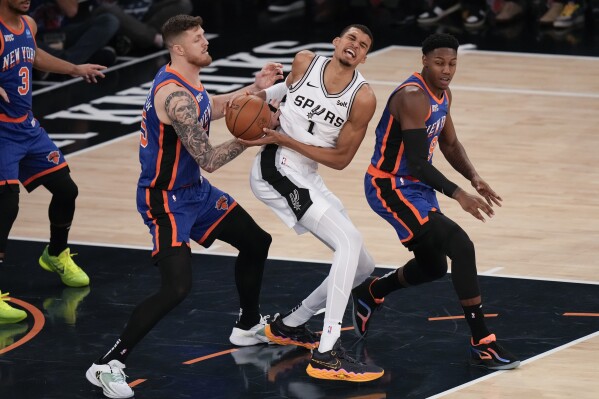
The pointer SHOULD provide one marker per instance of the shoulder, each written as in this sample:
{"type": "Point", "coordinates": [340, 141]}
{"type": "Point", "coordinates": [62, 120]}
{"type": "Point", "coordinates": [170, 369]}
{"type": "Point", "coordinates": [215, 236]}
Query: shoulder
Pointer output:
{"type": "Point", "coordinates": [365, 95]}
{"type": "Point", "coordinates": [170, 89]}
{"type": "Point", "coordinates": [31, 23]}
{"type": "Point", "coordinates": [301, 62]}
{"type": "Point", "coordinates": [411, 95]}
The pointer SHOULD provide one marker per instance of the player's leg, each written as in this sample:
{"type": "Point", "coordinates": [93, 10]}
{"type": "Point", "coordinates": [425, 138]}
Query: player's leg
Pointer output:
{"type": "Point", "coordinates": [165, 220]}
{"type": "Point", "coordinates": [45, 165]}
{"type": "Point", "coordinates": [242, 232]}
{"type": "Point", "coordinates": [224, 219]}
{"type": "Point", "coordinates": [175, 271]}
{"type": "Point", "coordinates": [57, 256]}
{"type": "Point", "coordinates": [454, 242]}
{"type": "Point", "coordinates": [10, 154]}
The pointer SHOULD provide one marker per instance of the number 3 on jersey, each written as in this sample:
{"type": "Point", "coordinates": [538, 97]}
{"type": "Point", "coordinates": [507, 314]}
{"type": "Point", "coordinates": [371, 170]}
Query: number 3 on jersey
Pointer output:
{"type": "Point", "coordinates": [24, 87]}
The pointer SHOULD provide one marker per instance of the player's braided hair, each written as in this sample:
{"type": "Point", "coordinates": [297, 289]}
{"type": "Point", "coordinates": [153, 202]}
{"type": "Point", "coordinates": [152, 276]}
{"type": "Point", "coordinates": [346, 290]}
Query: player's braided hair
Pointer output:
{"type": "Point", "coordinates": [439, 40]}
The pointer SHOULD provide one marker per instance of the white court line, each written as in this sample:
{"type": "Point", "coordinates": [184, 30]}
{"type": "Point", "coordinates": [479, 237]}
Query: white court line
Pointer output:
{"type": "Point", "coordinates": [490, 271]}
{"type": "Point", "coordinates": [290, 259]}
{"type": "Point", "coordinates": [502, 90]}
{"type": "Point", "coordinates": [527, 361]}
{"type": "Point", "coordinates": [507, 53]}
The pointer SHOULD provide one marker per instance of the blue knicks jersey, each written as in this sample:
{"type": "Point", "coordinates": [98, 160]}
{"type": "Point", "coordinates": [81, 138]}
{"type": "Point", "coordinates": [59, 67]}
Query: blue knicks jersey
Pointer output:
{"type": "Point", "coordinates": [389, 150]}
{"type": "Point", "coordinates": [18, 52]}
{"type": "Point", "coordinates": [165, 163]}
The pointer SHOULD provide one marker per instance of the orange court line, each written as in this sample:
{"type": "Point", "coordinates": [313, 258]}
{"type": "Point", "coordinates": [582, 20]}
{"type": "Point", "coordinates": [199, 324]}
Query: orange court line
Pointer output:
{"type": "Point", "coordinates": [582, 314]}
{"type": "Point", "coordinates": [38, 323]}
{"type": "Point", "coordinates": [199, 359]}
{"type": "Point", "coordinates": [458, 317]}
{"type": "Point", "coordinates": [136, 382]}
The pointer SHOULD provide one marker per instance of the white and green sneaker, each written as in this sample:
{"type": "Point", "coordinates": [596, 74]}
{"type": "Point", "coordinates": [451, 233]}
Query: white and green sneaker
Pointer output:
{"type": "Point", "coordinates": [111, 378]}
{"type": "Point", "coordinates": [63, 264]}
{"type": "Point", "coordinates": [252, 336]}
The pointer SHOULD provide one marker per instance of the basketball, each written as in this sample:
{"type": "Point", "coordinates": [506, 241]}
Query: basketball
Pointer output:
{"type": "Point", "coordinates": [247, 116]}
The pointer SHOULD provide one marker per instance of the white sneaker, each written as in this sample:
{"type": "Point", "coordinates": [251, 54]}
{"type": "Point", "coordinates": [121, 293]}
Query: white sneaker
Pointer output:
{"type": "Point", "coordinates": [252, 336]}
{"type": "Point", "coordinates": [111, 378]}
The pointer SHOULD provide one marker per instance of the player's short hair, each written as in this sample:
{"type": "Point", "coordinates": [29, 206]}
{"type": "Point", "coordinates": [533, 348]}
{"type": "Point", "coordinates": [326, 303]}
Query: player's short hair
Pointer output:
{"type": "Point", "coordinates": [178, 24]}
{"type": "Point", "coordinates": [439, 40]}
{"type": "Point", "coordinates": [361, 27]}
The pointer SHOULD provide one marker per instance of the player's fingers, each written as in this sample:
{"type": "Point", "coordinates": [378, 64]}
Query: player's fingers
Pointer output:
{"type": "Point", "coordinates": [4, 96]}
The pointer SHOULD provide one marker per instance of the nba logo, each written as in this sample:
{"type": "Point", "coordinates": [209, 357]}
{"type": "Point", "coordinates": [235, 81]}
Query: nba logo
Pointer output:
{"type": "Point", "coordinates": [330, 329]}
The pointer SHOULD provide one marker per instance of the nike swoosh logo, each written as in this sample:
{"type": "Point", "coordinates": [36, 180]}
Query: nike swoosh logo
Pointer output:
{"type": "Point", "coordinates": [310, 85]}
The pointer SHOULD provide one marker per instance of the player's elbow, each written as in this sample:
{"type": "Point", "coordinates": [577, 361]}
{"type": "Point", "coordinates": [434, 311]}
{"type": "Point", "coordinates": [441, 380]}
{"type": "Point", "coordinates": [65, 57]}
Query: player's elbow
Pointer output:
{"type": "Point", "coordinates": [340, 163]}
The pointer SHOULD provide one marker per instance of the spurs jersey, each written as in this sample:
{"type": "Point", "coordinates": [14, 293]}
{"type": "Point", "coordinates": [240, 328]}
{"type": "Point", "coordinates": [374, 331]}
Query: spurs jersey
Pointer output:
{"type": "Point", "coordinates": [313, 116]}
{"type": "Point", "coordinates": [388, 151]}
{"type": "Point", "coordinates": [165, 163]}
{"type": "Point", "coordinates": [17, 49]}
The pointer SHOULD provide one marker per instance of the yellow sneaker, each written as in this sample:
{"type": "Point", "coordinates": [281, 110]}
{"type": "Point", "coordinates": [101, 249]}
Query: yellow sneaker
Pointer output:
{"type": "Point", "coordinates": [9, 332]}
{"type": "Point", "coordinates": [63, 264]}
{"type": "Point", "coordinates": [8, 314]}
{"type": "Point", "coordinates": [66, 306]}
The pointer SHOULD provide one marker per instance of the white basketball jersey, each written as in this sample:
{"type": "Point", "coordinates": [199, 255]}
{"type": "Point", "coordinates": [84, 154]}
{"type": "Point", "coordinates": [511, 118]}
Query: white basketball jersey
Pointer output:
{"type": "Point", "coordinates": [313, 116]}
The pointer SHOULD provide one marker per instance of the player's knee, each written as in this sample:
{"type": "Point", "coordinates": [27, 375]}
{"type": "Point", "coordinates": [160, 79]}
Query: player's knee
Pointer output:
{"type": "Point", "coordinates": [437, 271]}
{"type": "Point", "coordinates": [180, 291]}
{"type": "Point", "coordinates": [460, 244]}
{"type": "Point", "coordinates": [63, 188]}
{"type": "Point", "coordinates": [9, 203]}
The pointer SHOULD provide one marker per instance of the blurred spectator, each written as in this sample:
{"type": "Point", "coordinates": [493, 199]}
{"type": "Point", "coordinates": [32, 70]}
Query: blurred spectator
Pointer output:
{"type": "Point", "coordinates": [474, 12]}
{"type": "Point", "coordinates": [510, 11]}
{"type": "Point", "coordinates": [572, 14]}
{"type": "Point", "coordinates": [439, 9]}
{"type": "Point", "coordinates": [67, 31]}
{"type": "Point", "coordinates": [555, 9]}
{"type": "Point", "coordinates": [141, 20]}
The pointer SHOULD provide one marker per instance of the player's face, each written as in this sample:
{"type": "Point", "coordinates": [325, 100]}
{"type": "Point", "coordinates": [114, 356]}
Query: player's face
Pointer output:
{"type": "Point", "coordinates": [352, 47]}
{"type": "Point", "coordinates": [440, 65]}
{"type": "Point", "coordinates": [20, 7]}
{"type": "Point", "coordinates": [195, 45]}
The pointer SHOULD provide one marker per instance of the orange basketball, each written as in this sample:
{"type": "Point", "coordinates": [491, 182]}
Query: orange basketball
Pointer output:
{"type": "Point", "coordinates": [247, 116]}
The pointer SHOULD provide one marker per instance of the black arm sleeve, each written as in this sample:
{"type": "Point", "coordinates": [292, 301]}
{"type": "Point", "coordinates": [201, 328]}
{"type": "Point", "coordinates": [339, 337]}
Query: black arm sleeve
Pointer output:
{"type": "Point", "coordinates": [416, 150]}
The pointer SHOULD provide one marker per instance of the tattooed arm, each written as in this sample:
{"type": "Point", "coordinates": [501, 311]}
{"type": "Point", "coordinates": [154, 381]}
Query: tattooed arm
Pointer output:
{"type": "Point", "coordinates": [181, 112]}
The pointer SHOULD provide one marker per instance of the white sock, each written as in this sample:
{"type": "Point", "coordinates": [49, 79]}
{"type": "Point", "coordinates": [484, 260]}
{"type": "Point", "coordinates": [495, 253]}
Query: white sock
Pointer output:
{"type": "Point", "coordinates": [330, 335]}
{"type": "Point", "coordinates": [299, 316]}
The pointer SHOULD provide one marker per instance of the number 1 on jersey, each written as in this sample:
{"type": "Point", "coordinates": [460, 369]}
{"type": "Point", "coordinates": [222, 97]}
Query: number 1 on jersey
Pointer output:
{"type": "Point", "coordinates": [311, 127]}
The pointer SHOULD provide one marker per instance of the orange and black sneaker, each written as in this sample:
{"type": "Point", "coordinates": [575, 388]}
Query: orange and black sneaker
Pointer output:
{"type": "Point", "coordinates": [337, 365]}
{"type": "Point", "coordinates": [364, 305]}
{"type": "Point", "coordinates": [278, 333]}
{"type": "Point", "coordinates": [489, 354]}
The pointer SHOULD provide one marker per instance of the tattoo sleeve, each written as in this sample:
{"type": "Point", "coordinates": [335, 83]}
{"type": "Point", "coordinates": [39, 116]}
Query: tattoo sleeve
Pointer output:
{"type": "Point", "coordinates": [182, 111]}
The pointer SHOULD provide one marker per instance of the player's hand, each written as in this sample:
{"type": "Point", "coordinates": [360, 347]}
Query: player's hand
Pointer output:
{"type": "Point", "coordinates": [268, 75]}
{"type": "Point", "coordinates": [4, 95]}
{"type": "Point", "coordinates": [89, 72]}
{"type": "Point", "coordinates": [270, 137]}
{"type": "Point", "coordinates": [473, 204]}
{"type": "Point", "coordinates": [486, 191]}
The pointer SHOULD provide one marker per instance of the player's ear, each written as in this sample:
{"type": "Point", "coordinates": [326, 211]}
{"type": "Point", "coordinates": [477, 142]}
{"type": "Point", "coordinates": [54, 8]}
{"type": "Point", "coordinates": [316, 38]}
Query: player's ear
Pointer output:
{"type": "Point", "coordinates": [364, 59]}
{"type": "Point", "coordinates": [336, 40]}
{"type": "Point", "coordinates": [424, 61]}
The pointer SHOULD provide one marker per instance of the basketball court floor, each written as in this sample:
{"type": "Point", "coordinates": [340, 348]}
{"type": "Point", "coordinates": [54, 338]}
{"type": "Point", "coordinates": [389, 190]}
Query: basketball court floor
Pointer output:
{"type": "Point", "coordinates": [528, 122]}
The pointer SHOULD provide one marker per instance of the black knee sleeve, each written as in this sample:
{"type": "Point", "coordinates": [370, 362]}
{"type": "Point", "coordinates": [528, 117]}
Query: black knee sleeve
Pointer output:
{"type": "Point", "coordinates": [62, 206]}
{"type": "Point", "coordinates": [242, 232]}
{"type": "Point", "coordinates": [175, 270]}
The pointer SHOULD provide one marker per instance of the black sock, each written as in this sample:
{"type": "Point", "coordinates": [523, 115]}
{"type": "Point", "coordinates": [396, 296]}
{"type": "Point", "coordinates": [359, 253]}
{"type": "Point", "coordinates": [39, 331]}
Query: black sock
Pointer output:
{"type": "Point", "coordinates": [118, 352]}
{"type": "Point", "coordinates": [476, 320]}
{"type": "Point", "coordinates": [385, 285]}
{"type": "Point", "coordinates": [58, 239]}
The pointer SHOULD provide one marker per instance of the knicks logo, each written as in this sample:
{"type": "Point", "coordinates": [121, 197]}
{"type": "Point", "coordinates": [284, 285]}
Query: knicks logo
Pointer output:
{"type": "Point", "coordinates": [222, 204]}
{"type": "Point", "coordinates": [54, 157]}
